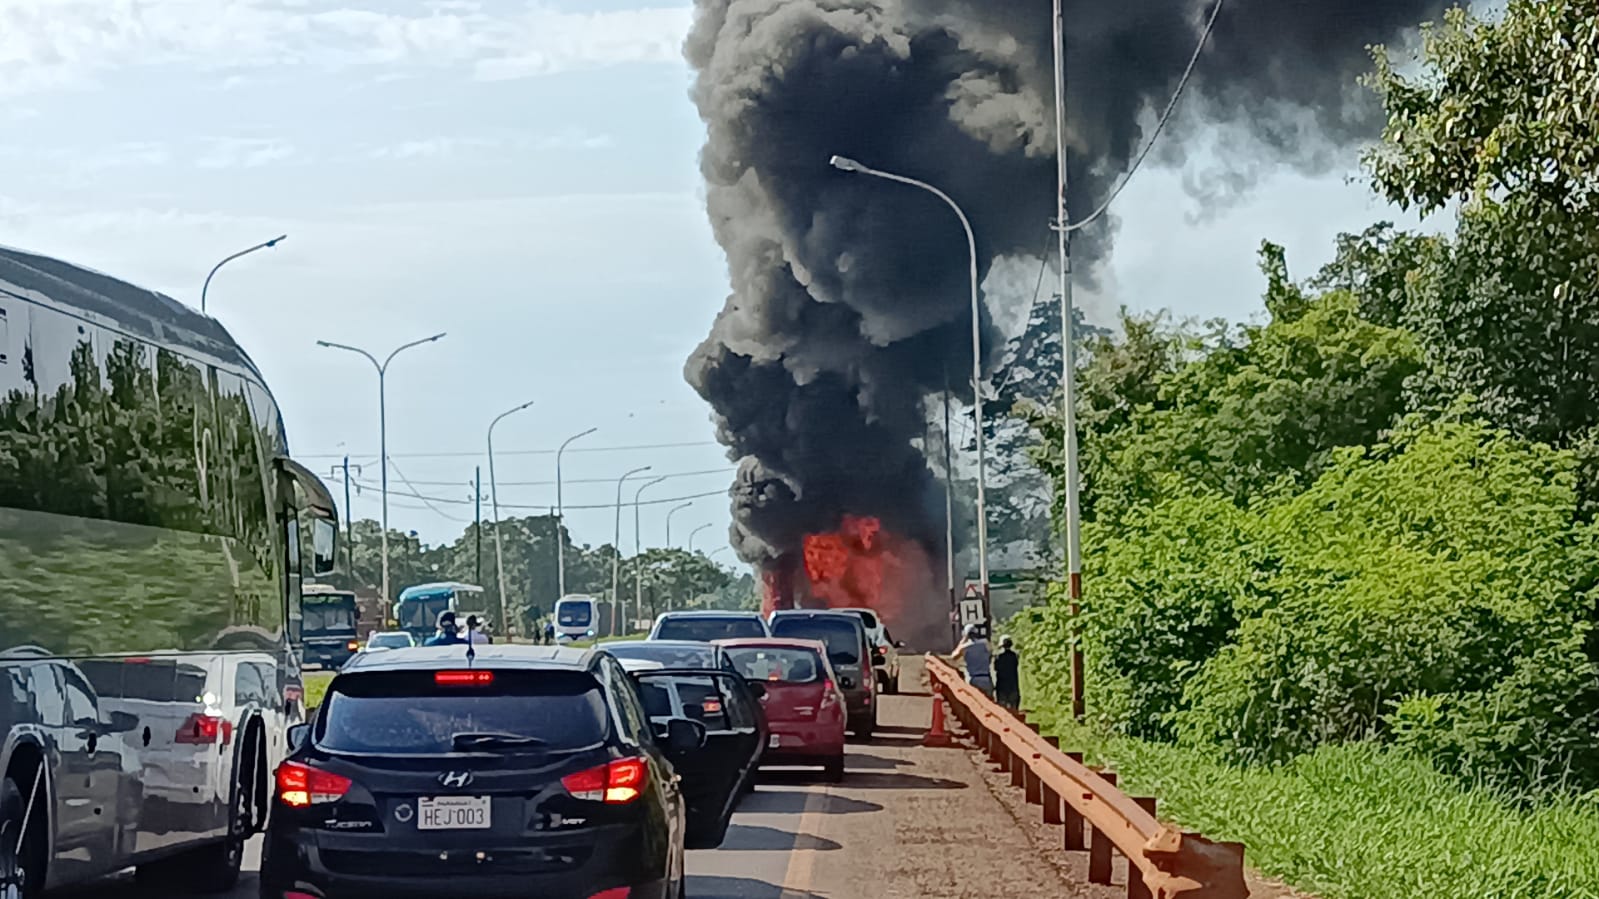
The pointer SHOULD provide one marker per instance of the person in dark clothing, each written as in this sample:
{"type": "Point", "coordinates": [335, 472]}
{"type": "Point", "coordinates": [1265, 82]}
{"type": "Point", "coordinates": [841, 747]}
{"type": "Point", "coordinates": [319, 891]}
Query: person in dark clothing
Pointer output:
{"type": "Point", "coordinates": [1007, 676]}
{"type": "Point", "coordinates": [449, 633]}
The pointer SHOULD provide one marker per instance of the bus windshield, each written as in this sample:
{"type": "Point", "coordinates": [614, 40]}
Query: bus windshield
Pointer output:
{"type": "Point", "coordinates": [575, 614]}
{"type": "Point", "coordinates": [331, 614]}
{"type": "Point", "coordinates": [423, 612]}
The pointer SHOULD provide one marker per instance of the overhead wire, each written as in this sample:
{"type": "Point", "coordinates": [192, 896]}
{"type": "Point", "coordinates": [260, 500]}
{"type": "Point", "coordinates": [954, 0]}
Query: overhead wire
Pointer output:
{"type": "Point", "coordinates": [458, 454]}
{"type": "Point", "coordinates": [1160, 126]}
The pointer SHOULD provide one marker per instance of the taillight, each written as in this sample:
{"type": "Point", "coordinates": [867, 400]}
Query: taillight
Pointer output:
{"type": "Point", "coordinates": [201, 730]}
{"type": "Point", "coordinates": [618, 893]}
{"type": "Point", "coordinates": [617, 783]}
{"type": "Point", "coordinates": [712, 706]}
{"type": "Point", "coordinates": [829, 694]}
{"type": "Point", "coordinates": [463, 678]}
{"type": "Point", "coordinates": [353, 645]}
{"type": "Point", "coordinates": [300, 785]}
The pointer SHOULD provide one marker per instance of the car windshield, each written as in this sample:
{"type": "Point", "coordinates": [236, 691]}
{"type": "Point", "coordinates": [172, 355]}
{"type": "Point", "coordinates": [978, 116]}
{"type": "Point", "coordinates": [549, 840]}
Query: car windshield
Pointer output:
{"type": "Point", "coordinates": [668, 655]}
{"type": "Point", "coordinates": [789, 666]}
{"type": "Point", "coordinates": [574, 614]}
{"type": "Point", "coordinates": [408, 713]}
{"type": "Point", "coordinates": [390, 641]}
{"type": "Point", "coordinates": [841, 637]}
{"type": "Point", "coordinates": [707, 629]}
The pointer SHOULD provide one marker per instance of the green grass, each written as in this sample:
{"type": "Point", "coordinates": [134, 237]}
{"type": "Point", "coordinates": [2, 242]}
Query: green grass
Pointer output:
{"type": "Point", "coordinates": [316, 686]}
{"type": "Point", "coordinates": [1360, 822]}
{"type": "Point", "coordinates": [583, 644]}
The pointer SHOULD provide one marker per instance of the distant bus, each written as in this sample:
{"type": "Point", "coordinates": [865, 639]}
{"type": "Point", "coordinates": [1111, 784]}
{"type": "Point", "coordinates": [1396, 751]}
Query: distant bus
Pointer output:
{"type": "Point", "coordinates": [417, 612]}
{"type": "Point", "coordinates": [580, 617]}
{"type": "Point", "coordinates": [328, 620]}
{"type": "Point", "coordinates": [151, 562]}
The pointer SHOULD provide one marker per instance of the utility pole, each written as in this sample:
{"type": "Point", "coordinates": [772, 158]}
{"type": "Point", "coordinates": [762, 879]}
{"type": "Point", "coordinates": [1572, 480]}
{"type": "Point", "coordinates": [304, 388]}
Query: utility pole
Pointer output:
{"type": "Point", "coordinates": [477, 529]}
{"type": "Point", "coordinates": [349, 526]}
{"type": "Point", "coordinates": [949, 513]}
{"type": "Point", "coordinates": [1068, 352]}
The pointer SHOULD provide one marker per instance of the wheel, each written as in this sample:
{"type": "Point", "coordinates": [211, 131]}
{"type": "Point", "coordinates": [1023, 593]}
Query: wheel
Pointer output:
{"type": "Point", "coordinates": [891, 684]}
{"type": "Point", "coordinates": [680, 889]}
{"type": "Point", "coordinates": [835, 769]}
{"type": "Point", "coordinates": [863, 727]}
{"type": "Point", "coordinates": [21, 866]}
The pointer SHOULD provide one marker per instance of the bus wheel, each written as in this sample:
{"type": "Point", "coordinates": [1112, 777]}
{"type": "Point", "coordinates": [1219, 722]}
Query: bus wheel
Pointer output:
{"type": "Point", "coordinates": [21, 853]}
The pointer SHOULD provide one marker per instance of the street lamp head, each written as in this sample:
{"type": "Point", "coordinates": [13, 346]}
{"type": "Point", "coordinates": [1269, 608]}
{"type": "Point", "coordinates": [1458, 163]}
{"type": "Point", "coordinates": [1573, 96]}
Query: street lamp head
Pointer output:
{"type": "Point", "coordinates": [846, 164]}
{"type": "Point", "coordinates": [436, 337]}
{"type": "Point", "coordinates": [324, 343]}
{"type": "Point", "coordinates": [276, 240]}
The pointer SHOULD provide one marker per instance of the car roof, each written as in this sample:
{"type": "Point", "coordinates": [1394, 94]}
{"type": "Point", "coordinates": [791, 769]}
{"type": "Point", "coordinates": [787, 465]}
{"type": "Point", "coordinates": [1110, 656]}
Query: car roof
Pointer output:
{"type": "Point", "coordinates": [772, 643]}
{"type": "Point", "coordinates": [710, 613]}
{"type": "Point", "coordinates": [662, 644]}
{"type": "Point", "coordinates": [837, 614]}
{"type": "Point", "coordinates": [486, 655]}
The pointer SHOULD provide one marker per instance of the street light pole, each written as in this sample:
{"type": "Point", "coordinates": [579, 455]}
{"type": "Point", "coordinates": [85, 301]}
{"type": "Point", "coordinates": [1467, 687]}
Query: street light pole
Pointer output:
{"type": "Point", "coordinates": [616, 545]}
{"type": "Point", "coordinates": [692, 534]}
{"type": "Point", "coordinates": [849, 165]}
{"type": "Point", "coordinates": [674, 511]}
{"type": "Point", "coordinates": [560, 516]}
{"type": "Point", "coordinates": [260, 246]}
{"type": "Point", "coordinates": [494, 501]}
{"type": "Point", "coordinates": [383, 440]}
{"type": "Point", "coordinates": [638, 549]}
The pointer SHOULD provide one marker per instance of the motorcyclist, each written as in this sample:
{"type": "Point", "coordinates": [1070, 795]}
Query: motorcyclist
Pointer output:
{"type": "Point", "coordinates": [449, 633]}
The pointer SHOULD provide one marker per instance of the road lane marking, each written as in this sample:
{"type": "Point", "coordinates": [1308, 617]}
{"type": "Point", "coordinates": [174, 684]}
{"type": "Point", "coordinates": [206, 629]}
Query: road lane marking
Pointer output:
{"type": "Point", "coordinates": [802, 859]}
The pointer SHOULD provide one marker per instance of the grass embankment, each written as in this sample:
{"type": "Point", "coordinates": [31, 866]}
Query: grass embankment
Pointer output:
{"type": "Point", "coordinates": [1360, 822]}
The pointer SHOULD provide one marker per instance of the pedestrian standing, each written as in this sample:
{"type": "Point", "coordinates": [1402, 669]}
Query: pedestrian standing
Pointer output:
{"type": "Point", "coordinates": [977, 656]}
{"type": "Point", "coordinates": [1007, 675]}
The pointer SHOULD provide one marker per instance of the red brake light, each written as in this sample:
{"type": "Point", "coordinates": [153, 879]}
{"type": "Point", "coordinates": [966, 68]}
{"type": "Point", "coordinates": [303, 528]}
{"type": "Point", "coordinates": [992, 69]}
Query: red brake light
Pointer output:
{"type": "Point", "coordinates": [712, 706]}
{"type": "Point", "coordinates": [352, 645]}
{"type": "Point", "coordinates": [829, 694]}
{"type": "Point", "coordinates": [617, 783]}
{"type": "Point", "coordinates": [618, 893]}
{"type": "Point", "coordinates": [201, 729]}
{"type": "Point", "coordinates": [463, 678]}
{"type": "Point", "coordinates": [300, 785]}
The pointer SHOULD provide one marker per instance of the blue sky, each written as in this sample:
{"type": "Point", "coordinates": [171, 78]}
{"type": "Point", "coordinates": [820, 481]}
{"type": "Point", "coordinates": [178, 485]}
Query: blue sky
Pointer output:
{"type": "Point", "coordinates": [520, 175]}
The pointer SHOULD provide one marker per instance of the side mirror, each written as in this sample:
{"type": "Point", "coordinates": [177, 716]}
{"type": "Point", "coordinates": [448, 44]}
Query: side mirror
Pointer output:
{"type": "Point", "coordinates": [683, 735]}
{"type": "Point", "coordinates": [899, 644]}
{"type": "Point", "coordinates": [124, 722]}
{"type": "Point", "coordinates": [757, 688]}
{"type": "Point", "coordinates": [847, 683]}
{"type": "Point", "coordinates": [324, 545]}
{"type": "Point", "coordinates": [297, 736]}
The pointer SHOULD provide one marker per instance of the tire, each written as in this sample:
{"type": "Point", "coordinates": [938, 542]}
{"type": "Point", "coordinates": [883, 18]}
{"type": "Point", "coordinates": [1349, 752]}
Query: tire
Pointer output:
{"type": "Point", "coordinates": [891, 684]}
{"type": "Point", "coordinates": [863, 727]}
{"type": "Point", "coordinates": [21, 873]}
{"type": "Point", "coordinates": [834, 770]}
{"type": "Point", "coordinates": [680, 889]}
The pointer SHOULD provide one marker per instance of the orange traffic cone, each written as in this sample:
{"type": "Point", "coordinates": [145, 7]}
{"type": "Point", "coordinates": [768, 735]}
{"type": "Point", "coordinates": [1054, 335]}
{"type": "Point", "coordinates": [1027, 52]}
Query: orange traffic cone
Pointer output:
{"type": "Point", "coordinates": [937, 736]}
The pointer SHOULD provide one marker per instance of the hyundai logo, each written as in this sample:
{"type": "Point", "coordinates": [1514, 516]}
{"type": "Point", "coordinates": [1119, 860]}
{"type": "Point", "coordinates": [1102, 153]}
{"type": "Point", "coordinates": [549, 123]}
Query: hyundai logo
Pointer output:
{"type": "Point", "coordinates": [455, 780]}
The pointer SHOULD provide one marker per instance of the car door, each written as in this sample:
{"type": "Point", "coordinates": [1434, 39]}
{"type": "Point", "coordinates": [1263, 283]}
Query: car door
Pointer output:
{"type": "Point", "coordinates": [712, 775]}
{"type": "Point", "coordinates": [633, 721]}
{"type": "Point", "coordinates": [90, 814]}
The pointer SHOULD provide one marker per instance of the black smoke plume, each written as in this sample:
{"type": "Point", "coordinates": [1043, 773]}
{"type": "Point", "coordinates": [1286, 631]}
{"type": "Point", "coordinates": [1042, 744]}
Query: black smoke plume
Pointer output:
{"type": "Point", "coordinates": [850, 302]}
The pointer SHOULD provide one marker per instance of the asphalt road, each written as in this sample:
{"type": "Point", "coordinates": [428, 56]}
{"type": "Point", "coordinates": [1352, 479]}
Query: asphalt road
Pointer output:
{"type": "Point", "coordinates": [906, 822]}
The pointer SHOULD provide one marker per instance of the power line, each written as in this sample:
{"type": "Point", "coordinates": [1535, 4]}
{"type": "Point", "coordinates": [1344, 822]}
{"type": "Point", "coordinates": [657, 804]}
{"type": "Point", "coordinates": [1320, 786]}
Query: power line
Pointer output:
{"type": "Point", "coordinates": [1159, 126]}
{"type": "Point", "coordinates": [436, 509]}
{"type": "Point", "coordinates": [548, 507]}
{"type": "Point", "coordinates": [534, 452]}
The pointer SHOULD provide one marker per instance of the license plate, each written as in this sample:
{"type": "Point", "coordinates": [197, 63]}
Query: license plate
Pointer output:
{"type": "Point", "coordinates": [452, 813]}
{"type": "Point", "coordinates": [774, 741]}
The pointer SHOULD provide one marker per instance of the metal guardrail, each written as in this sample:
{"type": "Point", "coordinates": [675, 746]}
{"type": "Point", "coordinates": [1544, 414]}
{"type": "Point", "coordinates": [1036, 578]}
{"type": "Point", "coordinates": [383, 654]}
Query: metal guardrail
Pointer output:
{"type": "Point", "coordinates": [1163, 862]}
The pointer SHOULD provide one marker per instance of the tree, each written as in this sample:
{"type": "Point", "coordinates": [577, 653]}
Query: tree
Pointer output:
{"type": "Point", "coordinates": [1499, 120]}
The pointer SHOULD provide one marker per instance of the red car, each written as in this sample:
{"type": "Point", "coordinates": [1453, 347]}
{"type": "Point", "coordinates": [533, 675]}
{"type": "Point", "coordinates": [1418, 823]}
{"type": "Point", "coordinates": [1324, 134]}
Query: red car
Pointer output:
{"type": "Point", "coordinates": [804, 704]}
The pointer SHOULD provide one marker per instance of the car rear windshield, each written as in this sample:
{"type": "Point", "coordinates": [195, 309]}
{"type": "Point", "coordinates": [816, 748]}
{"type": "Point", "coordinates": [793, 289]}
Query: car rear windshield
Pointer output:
{"type": "Point", "coordinates": [841, 636]}
{"type": "Point", "coordinates": [409, 713]}
{"type": "Point", "coordinates": [392, 641]}
{"type": "Point", "coordinates": [669, 656]}
{"type": "Point", "coordinates": [868, 619]}
{"type": "Point", "coordinates": [789, 666]}
{"type": "Point", "coordinates": [705, 630]}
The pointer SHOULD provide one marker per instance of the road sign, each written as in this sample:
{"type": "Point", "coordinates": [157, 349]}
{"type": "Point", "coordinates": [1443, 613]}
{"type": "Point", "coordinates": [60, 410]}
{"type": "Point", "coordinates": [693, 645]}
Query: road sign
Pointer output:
{"type": "Point", "coordinates": [972, 611]}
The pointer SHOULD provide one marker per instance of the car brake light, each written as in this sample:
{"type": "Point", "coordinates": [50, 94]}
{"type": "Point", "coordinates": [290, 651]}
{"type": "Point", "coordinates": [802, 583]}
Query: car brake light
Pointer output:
{"type": "Point", "coordinates": [463, 678]}
{"type": "Point", "coordinates": [300, 785]}
{"type": "Point", "coordinates": [352, 645]}
{"type": "Point", "coordinates": [618, 893]}
{"type": "Point", "coordinates": [829, 694]}
{"type": "Point", "coordinates": [617, 783]}
{"type": "Point", "coordinates": [712, 706]}
{"type": "Point", "coordinates": [201, 730]}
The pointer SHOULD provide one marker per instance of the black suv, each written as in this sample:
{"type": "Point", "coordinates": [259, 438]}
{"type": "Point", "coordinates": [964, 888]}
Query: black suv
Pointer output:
{"type": "Point", "coordinates": [520, 771]}
{"type": "Point", "coordinates": [849, 649]}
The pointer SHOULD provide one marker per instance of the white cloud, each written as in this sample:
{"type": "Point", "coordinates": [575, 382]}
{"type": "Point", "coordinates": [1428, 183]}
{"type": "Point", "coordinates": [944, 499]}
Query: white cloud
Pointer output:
{"type": "Point", "coordinates": [430, 148]}
{"type": "Point", "coordinates": [55, 44]}
{"type": "Point", "coordinates": [244, 153]}
{"type": "Point", "coordinates": [573, 139]}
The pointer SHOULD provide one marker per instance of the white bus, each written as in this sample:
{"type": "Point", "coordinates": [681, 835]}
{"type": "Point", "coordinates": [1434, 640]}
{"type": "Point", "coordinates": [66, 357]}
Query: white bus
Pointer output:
{"type": "Point", "coordinates": [580, 617]}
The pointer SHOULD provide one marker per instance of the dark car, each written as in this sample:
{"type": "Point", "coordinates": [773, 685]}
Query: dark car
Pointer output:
{"type": "Point", "coordinates": [713, 693]}
{"type": "Point", "coordinates": [524, 771]}
{"type": "Point", "coordinates": [706, 626]}
{"type": "Point", "coordinates": [848, 649]}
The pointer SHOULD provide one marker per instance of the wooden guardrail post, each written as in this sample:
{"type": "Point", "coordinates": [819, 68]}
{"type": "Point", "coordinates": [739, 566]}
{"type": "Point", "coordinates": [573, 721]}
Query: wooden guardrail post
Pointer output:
{"type": "Point", "coordinates": [1137, 887]}
{"type": "Point", "coordinates": [1031, 785]}
{"type": "Point", "coordinates": [1099, 845]}
{"type": "Point", "coordinates": [1072, 838]}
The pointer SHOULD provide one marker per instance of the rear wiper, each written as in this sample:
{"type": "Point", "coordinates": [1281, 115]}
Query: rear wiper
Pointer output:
{"type": "Point", "coordinates": [467, 742]}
